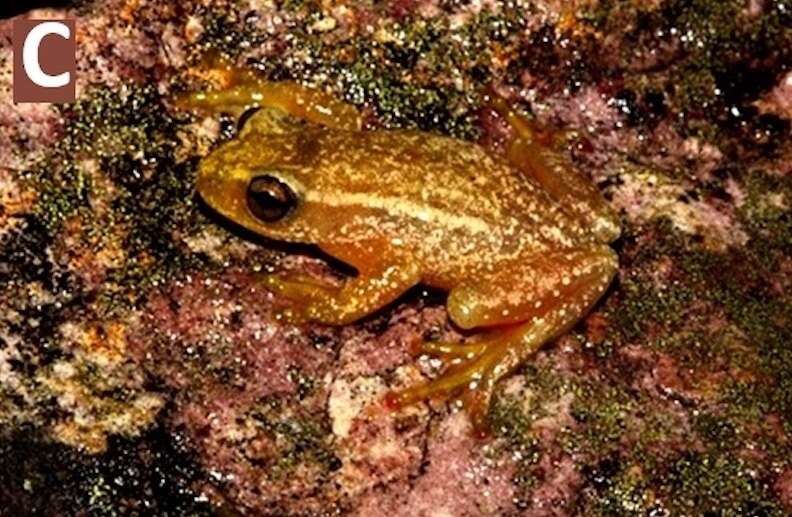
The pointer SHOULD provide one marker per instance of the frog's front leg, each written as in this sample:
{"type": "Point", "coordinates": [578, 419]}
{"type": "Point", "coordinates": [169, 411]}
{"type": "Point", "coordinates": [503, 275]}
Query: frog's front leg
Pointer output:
{"type": "Point", "coordinates": [358, 296]}
{"type": "Point", "coordinates": [556, 174]}
{"type": "Point", "coordinates": [382, 277]}
{"type": "Point", "coordinates": [242, 90]}
{"type": "Point", "coordinates": [522, 305]}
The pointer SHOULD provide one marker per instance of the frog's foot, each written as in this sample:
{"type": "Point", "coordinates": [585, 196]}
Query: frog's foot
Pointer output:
{"type": "Point", "coordinates": [297, 287]}
{"type": "Point", "coordinates": [472, 372]}
{"type": "Point", "coordinates": [302, 290]}
{"type": "Point", "coordinates": [447, 351]}
{"type": "Point", "coordinates": [240, 89]}
{"type": "Point", "coordinates": [451, 353]}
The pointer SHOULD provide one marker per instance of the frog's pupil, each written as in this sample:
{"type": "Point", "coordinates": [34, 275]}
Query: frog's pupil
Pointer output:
{"type": "Point", "coordinates": [269, 199]}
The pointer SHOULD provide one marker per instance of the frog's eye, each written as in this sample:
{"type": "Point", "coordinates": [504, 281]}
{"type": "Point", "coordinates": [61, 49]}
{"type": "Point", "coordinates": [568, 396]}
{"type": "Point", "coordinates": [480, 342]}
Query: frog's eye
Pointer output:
{"type": "Point", "coordinates": [270, 199]}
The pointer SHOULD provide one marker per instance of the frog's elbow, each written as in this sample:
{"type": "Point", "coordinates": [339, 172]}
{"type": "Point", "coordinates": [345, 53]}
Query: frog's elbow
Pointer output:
{"type": "Point", "coordinates": [461, 312]}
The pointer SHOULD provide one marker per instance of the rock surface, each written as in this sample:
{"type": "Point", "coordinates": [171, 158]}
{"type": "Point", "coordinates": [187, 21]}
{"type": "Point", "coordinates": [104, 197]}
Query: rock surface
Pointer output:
{"type": "Point", "coordinates": [142, 371]}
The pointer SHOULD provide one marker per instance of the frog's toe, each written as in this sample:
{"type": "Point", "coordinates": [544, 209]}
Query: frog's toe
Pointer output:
{"type": "Point", "coordinates": [448, 351]}
{"type": "Point", "coordinates": [300, 291]}
{"type": "Point", "coordinates": [470, 379]}
{"type": "Point", "coordinates": [291, 315]}
{"type": "Point", "coordinates": [295, 287]}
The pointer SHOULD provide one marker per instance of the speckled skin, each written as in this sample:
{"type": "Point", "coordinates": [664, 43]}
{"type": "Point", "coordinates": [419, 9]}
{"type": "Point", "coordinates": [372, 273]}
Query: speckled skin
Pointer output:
{"type": "Point", "coordinates": [520, 244]}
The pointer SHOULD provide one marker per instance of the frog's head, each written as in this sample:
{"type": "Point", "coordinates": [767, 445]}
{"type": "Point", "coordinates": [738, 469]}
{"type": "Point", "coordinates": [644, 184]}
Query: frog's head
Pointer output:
{"type": "Point", "coordinates": [264, 189]}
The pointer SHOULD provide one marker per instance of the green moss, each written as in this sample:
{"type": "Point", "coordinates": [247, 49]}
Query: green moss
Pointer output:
{"type": "Point", "coordinates": [132, 140]}
{"type": "Point", "coordinates": [604, 414]}
{"type": "Point", "coordinates": [426, 75]}
{"type": "Point", "coordinates": [713, 73]}
{"type": "Point", "coordinates": [546, 383]}
{"type": "Point", "coordinates": [766, 215]}
{"type": "Point", "coordinates": [718, 484]}
{"type": "Point", "coordinates": [713, 483]}
{"type": "Point", "coordinates": [512, 427]}
{"type": "Point", "coordinates": [741, 282]}
{"type": "Point", "coordinates": [508, 422]}
{"type": "Point", "coordinates": [623, 493]}
{"type": "Point", "coordinates": [649, 304]}
{"type": "Point", "coordinates": [716, 430]}
{"type": "Point", "coordinates": [154, 213]}
{"type": "Point", "coordinates": [747, 406]}
{"type": "Point", "coordinates": [224, 35]}
{"type": "Point", "coordinates": [511, 424]}
{"type": "Point", "coordinates": [62, 192]}
{"type": "Point", "coordinates": [402, 104]}
{"type": "Point", "coordinates": [643, 301]}
{"type": "Point", "coordinates": [734, 285]}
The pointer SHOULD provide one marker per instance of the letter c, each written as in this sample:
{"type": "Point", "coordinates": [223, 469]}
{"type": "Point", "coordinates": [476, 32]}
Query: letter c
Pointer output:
{"type": "Point", "coordinates": [30, 55]}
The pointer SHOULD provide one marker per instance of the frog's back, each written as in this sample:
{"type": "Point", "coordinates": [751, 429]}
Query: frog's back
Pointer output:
{"type": "Point", "coordinates": [428, 173]}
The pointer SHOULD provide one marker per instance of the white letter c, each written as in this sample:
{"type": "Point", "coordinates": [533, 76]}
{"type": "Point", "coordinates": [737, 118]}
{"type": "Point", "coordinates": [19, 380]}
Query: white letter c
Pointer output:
{"type": "Point", "coordinates": [30, 55]}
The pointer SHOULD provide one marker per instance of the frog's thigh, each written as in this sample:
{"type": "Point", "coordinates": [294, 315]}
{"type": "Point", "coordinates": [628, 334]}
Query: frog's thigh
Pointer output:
{"type": "Point", "coordinates": [246, 90]}
{"type": "Point", "coordinates": [531, 303]}
{"type": "Point", "coordinates": [556, 174]}
{"type": "Point", "coordinates": [569, 281]}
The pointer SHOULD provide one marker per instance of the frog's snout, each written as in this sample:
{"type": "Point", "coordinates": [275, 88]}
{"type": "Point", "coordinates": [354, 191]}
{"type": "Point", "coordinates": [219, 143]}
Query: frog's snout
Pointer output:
{"type": "Point", "coordinates": [206, 184]}
{"type": "Point", "coordinates": [216, 189]}
{"type": "Point", "coordinates": [223, 190]}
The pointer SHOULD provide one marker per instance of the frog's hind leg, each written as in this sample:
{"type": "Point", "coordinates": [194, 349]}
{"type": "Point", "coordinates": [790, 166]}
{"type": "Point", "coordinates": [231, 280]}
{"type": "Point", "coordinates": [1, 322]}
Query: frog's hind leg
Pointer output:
{"type": "Point", "coordinates": [555, 173]}
{"type": "Point", "coordinates": [524, 305]}
{"type": "Point", "coordinates": [242, 89]}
